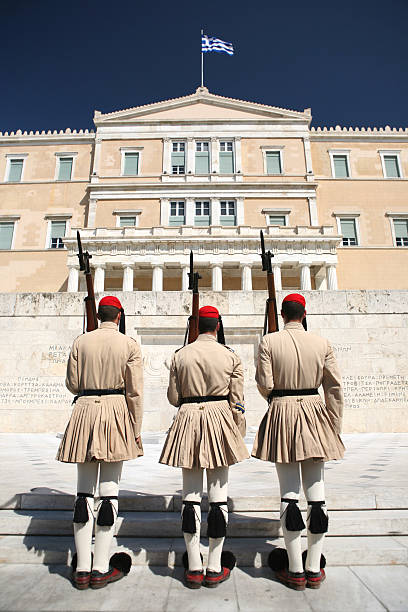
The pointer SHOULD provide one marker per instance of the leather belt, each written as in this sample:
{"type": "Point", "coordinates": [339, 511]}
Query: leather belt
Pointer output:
{"type": "Point", "coordinates": [198, 399]}
{"type": "Point", "coordinates": [99, 392]}
{"type": "Point", "coordinates": [285, 392]}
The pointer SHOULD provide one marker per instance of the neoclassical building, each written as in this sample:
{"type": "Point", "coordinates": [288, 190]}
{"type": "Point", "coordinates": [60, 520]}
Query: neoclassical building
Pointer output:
{"type": "Point", "coordinates": [206, 173]}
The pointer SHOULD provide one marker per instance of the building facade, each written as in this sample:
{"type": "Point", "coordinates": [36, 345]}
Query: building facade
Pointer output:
{"type": "Point", "coordinates": [206, 173]}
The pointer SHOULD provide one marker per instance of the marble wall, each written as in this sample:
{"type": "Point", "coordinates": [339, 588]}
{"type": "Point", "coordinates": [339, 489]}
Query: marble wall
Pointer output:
{"type": "Point", "coordinates": [368, 330]}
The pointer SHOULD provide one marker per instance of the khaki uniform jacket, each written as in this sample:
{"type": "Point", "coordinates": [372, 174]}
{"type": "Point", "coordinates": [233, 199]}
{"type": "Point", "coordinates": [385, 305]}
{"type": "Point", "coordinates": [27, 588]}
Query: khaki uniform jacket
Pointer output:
{"type": "Point", "coordinates": [206, 367]}
{"type": "Point", "coordinates": [107, 359]}
{"type": "Point", "coordinates": [296, 359]}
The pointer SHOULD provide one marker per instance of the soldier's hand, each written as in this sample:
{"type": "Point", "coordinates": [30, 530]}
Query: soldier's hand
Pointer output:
{"type": "Point", "coordinates": [138, 440]}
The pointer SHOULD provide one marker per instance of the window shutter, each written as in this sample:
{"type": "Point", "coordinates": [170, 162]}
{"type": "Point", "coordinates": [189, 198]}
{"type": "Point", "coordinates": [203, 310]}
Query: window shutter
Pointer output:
{"type": "Point", "coordinates": [348, 228]}
{"type": "Point", "coordinates": [401, 228]}
{"type": "Point", "coordinates": [177, 158]}
{"type": "Point", "coordinates": [277, 220]}
{"type": "Point", "coordinates": [57, 229]}
{"type": "Point", "coordinates": [177, 220]}
{"type": "Point", "coordinates": [131, 164]}
{"type": "Point", "coordinates": [228, 220]}
{"type": "Point", "coordinates": [340, 166]}
{"type": "Point", "coordinates": [127, 221]}
{"type": "Point", "coordinates": [273, 162]}
{"type": "Point", "coordinates": [16, 170]}
{"type": "Point", "coordinates": [226, 162]}
{"type": "Point", "coordinates": [6, 235]}
{"type": "Point", "coordinates": [202, 162]}
{"type": "Point", "coordinates": [391, 166]}
{"type": "Point", "coordinates": [65, 169]}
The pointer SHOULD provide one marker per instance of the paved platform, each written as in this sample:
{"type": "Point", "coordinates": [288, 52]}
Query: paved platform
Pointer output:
{"type": "Point", "coordinates": [374, 464]}
{"type": "Point", "coordinates": [159, 589]}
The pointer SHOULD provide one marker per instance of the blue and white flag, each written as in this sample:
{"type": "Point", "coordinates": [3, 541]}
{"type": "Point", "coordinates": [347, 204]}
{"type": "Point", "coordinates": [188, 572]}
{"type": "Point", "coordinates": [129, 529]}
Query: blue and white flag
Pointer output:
{"type": "Point", "coordinates": [209, 43]}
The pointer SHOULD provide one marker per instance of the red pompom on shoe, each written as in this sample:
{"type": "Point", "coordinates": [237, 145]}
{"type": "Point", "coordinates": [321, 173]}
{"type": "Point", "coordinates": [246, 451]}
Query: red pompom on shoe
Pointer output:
{"type": "Point", "coordinates": [194, 579]}
{"type": "Point", "coordinates": [293, 580]}
{"type": "Point", "coordinates": [315, 579]}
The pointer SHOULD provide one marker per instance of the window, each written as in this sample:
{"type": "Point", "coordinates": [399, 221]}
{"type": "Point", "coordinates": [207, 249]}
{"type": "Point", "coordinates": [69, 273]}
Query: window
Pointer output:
{"type": "Point", "coordinates": [65, 168]}
{"type": "Point", "coordinates": [276, 219]}
{"type": "Point", "coordinates": [131, 164]}
{"type": "Point", "coordinates": [349, 231]}
{"type": "Point", "coordinates": [401, 232]}
{"type": "Point", "coordinates": [57, 233]}
{"type": "Point", "coordinates": [178, 158]}
{"type": "Point", "coordinates": [177, 213]}
{"type": "Point", "coordinates": [228, 212]}
{"type": "Point", "coordinates": [6, 235]}
{"type": "Point", "coordinates": [127, 221]}
{"type": "Point", "coordinates": [202, 213]}
{"type": "Point", "coordinates": [391, 165]}
{"type": "Point", "coordinates": [202, 158]}
{"type": "Point", "coordinates": [15, 170]}
{"type": "Point", "coordinates": [226, 157]}
{"type": "Point", "coordinates": [273, 162]}
{"type": "Point", "coordinates": [340, 166]}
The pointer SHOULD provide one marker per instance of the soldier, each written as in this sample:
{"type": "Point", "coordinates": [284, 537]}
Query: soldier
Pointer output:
{"type": "Point", "coordinates": [206, 382]}
{"type": "Point", "coordinates": [299, 433]}
{"type": "Point", "coordinates": [105, 372]}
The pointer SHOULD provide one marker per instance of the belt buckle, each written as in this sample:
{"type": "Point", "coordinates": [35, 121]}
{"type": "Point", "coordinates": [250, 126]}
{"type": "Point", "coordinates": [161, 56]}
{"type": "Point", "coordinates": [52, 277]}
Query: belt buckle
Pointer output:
{"type": "Point", "coordinates": [201, 407]}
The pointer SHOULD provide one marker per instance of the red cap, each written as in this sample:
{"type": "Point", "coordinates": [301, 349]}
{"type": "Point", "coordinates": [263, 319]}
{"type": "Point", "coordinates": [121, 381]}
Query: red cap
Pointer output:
{"type": "Point", "coordinates": [295, 297]}
{"type": "Point", "coordinates": [208, 312]}
{"type": "Point", "coordinates": [110, 300]}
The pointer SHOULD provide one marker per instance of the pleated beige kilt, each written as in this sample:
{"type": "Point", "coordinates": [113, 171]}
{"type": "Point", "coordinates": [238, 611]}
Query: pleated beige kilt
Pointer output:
{"type": "Point", "coordinates": [204, 436]}
{"type": "Point", "coordinates": [99, 430]}
{"type": "Point", "coordinates": [297, 428]}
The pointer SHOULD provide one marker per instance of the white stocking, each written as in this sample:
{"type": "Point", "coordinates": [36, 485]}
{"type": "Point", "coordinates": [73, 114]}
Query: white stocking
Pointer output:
{"type": "Point", "coordinates": [313, 486]}
{"type": "Point", "coordinates": [193, 491]}
{"type": "Point", "coordinates": [217, 487]}
{"type": "Point", "coordinates": [289, 482]}
{"type": "Point", "coordinates": [87, 477]}
{"type": "Point", "coordinates": [109, 478]}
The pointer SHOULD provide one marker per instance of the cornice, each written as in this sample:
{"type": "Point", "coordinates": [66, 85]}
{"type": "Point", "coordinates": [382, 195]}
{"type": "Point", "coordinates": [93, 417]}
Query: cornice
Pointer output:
{"type": "Point", "coordinates": [349, 134]}
{"type": "Point", "coordinates": [46, 137]}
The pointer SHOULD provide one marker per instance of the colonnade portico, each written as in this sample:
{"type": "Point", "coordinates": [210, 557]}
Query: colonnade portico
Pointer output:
{"type": "Point", "coordinates": [228, 258]}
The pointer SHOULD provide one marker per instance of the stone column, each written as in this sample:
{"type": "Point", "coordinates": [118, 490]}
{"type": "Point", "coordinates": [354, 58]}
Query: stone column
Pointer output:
{"type": "Point", "coordinates": [157, 279]}
{"type": "Point", "coordinates": [215, 158]}
{"type": "Point", "coordinates": [164, 211]}
{"type": "Point", "coordinates": [73, 279]}
{"type": "Point", "coordinates": [190, 156]}
{"type": "Point", "coordinates": [215, 211]}
{"type": "Point", "coordinates": [97, 157]}
{"type": "Point", "coordinates": [246, 277]}
{"type": "Point", "coordinates": [189, 211]}
{"type": "Point", "coordinates": [305, 279]}
{"type": "Point", "coordinates": [313, 218]}
{"type": "Point", "coordinates": [127, 277]}
{"type": "Point", "coordinates": [238, 155]}
{"type": "Point", "coordinates": [216, 277]}
{"type": "Point", "coordinates": [99, 278]}
{"type": "Point", "coordinates": [240, 220]}
{"type": "Point", "coordinates": [331, 277]}
{"type": "Point", "coordinates": [277, 275]}
{"type": "Point", "coordinates": [166, 156]}
{"type": "Point", "coordinates": [184, 278]}
{"type": "Point", "coordinates": [90, 222]}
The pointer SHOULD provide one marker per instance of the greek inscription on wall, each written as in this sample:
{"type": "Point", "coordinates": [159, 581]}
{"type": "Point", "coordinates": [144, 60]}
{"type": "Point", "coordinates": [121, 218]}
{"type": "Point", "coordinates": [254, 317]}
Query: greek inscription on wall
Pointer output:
{"type": "Point", "coordinates": [34, 391]}
{"type": "Point", "coordinates": [361, 391]}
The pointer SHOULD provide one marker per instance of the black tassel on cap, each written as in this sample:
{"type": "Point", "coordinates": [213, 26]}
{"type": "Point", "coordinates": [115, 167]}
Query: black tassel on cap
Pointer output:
{"type": "Point", "coordinates": [294, 521]}
{"type": "Point", "coordinates": [318, 520]}
{"type": "Point", "coordinates": [106, 516]}
{"type": "Point", "coordinates": [220, 332]}
{"type": "Point", "coordinates": [122, 322]}
{"type": "Point", "coordinates": [189, 517]}
{"type": "Point", "coordinates": [81, 514]}
{"type": "Point", "coordinates": [304, 323]}
{"type": "Point", "coordinates": [216, 524]}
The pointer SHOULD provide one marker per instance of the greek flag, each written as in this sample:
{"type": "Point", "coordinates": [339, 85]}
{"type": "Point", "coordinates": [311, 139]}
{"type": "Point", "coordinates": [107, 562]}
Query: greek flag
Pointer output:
{"type": "Point", "coordinates": [209, 43]}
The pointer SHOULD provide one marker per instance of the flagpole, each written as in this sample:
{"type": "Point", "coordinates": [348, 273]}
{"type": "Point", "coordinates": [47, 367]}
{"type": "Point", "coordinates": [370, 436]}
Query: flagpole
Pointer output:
{"type": "Point", "coordinates": [202, 61]}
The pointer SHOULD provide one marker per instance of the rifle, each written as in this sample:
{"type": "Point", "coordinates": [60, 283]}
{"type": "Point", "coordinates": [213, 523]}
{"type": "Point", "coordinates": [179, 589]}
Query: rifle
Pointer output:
{"type": "Point", "coordinates": [90, 305]}
{"type": "Point", "coordinates": [271, 311]}
{"type": "Point", "coordinates": [192, 325]}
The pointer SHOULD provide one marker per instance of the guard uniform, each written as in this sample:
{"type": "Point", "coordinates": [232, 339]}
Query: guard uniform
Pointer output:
{"type": "Point", "coordinates": [105, 372]}
{"type": "Point", "coordinates": [206, 383]}
{"type": "Point", "coordinates": [299, 432]}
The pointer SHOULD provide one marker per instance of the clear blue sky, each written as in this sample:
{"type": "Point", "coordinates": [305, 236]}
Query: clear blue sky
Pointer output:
{"type": "Point", "coordinates": [59, 61]}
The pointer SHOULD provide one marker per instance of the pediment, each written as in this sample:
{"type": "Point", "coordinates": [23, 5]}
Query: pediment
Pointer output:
{"type": "Point", "coordinates": [201, 106]}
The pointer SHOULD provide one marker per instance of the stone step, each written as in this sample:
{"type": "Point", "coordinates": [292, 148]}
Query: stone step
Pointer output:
{"type": "Point", "coordinates": [250, 552]}
{"type": "Point", "coordinates": [344, 499]}
{"type": "Point", "coordinates": [167, 524]}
